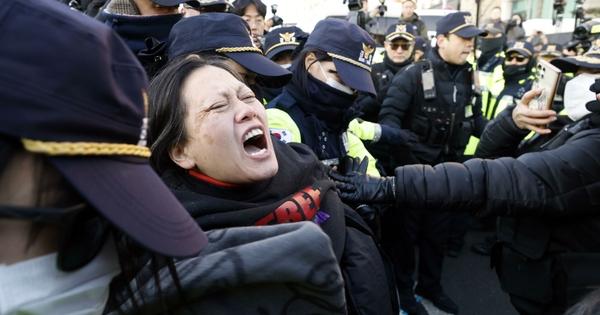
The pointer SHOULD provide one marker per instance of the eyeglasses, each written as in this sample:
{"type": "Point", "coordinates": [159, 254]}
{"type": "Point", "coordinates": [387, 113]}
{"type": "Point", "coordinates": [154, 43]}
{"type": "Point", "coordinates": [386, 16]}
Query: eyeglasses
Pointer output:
{"type": "Point", "coordinates": [404, 46]}
{"type": "Point", "coordinates": [516, 57]}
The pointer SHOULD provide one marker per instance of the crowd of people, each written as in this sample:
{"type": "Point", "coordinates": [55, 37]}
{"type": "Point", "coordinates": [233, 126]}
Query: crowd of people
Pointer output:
{"type": "Point", "coordinates": [188, 157]}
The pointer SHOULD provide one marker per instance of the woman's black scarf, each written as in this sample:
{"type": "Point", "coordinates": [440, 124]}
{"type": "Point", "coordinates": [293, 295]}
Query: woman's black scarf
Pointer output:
{"type": "Point", "coordinates": [300, 191]}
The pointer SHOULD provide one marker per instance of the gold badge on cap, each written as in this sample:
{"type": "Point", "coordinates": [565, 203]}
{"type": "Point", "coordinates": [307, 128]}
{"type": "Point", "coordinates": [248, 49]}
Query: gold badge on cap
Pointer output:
{"type": "Point", "coordinates": [287, 37]}
{"type": "Point", "coordinates": [551, 48]}
{"type": "Point", "coordinates": [520, 45]}
{"type": "Point", "coordinates": [401, 28]}
{"type": "Point", "coordinates": [468, 19]}
{"type": "Point", "coordinates": [366, 55]}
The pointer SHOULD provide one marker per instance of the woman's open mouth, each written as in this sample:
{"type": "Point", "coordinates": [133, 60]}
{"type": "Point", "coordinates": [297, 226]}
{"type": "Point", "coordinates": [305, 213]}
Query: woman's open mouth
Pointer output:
{"type": "Point", "coordinates": [255, 142]}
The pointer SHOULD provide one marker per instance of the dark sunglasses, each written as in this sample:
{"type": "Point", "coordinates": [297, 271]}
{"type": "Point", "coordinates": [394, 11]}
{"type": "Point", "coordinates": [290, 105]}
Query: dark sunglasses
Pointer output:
{"type": "Point", "coordinates": [404, 46]}
{"type": "Point", "coordinates": [516, 57]}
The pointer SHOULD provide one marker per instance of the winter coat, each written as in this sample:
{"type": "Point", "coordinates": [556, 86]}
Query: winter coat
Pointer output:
{"type": "Point", "coordinates": [279, 269]}
{"type": "Point", "coordinates": [444, 123]}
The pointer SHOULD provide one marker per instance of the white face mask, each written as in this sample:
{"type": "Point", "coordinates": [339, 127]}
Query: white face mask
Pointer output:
{"type": "Point", "coordinates": [577, 94]}
{"type": "Point", "coordinates": [36, 286]}
{"type": "Point", "coordinates": [335, 84]}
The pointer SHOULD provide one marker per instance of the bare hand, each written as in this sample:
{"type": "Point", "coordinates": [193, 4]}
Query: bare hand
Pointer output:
{"type": "Point", "coordinates": [535, 120]}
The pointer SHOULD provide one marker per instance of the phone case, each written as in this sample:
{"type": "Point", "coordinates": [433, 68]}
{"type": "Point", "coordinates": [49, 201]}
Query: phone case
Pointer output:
{"type": "Point", "coordinates": [547, 79]}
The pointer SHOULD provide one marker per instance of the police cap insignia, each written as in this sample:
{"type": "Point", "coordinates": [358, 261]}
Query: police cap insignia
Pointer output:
{"type": "Point", "coordinates": [519, 45]}
{"type": "Point", "coordinates": [367, 51]}
{"type": "Point", "coordinates": [401, 28]}
{"type": "Point", "coordinates": [287, 37]}
{"type": "Point", "coordinates": [468, 19]}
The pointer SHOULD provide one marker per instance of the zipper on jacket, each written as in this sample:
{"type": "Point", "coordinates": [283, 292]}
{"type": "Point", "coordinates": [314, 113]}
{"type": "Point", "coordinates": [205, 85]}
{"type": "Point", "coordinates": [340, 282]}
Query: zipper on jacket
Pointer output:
{"type": "Point", "coordinates": [447, 146]}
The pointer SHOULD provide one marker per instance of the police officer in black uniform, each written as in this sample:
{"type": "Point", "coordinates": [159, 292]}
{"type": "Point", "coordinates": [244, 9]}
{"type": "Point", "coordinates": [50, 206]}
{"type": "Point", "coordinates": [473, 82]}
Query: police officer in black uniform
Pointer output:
{"type": "Point", "coordinates": [433, 100]}
{"type": "Point", "coordinates": [282, 45]}
{"type": "Point", "coordinates": [399, 51]}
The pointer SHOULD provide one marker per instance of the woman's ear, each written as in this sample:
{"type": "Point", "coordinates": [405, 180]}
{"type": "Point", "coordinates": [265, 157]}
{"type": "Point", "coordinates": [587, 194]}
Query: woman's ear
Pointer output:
{"type": "Point", "coordinates": [180, 157]}
{"type": "Point", "coordinates": [309, 60]}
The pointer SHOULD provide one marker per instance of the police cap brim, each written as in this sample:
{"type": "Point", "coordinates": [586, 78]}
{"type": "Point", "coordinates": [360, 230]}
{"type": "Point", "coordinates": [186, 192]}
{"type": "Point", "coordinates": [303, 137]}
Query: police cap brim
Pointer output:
{"type": "Point", "coordinates": [355, 77]}
{"type": "Point", "coordinates": [470, 32]}
{"type": "Point", "coordinates": [262, 66]}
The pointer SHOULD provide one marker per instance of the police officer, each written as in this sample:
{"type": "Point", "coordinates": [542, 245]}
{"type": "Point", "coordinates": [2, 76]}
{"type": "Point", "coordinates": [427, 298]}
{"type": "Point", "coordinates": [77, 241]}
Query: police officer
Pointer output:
{"type": "Point", "coordinates": [489, 65]}
{"type": "Point", "coordinates": [422, 48]}
{"type": "Point", "coordinates": [227, 35]}
{"type": "Point", "coordinates": [432, 99]}
{"type": "Point", "coordinates": [399, 47]}
{"type": "Point", "coordinates": [518, 77]}
{"type": "Point", "coordinates": [551, 51]}
{"type": "Point", "coordinates": [282, 45]}
{"type": "Point", "coordinates": [489, 73]}
{"type": "Point", "coordinates": [316, 107]}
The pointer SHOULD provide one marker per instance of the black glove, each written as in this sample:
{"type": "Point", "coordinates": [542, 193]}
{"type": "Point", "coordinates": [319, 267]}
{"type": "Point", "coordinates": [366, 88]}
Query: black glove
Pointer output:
{"type": "Point", "coordinates": [355, 186]}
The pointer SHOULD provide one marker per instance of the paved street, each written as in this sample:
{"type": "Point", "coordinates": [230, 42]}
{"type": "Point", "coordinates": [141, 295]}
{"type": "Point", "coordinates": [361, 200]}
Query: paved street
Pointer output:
{"type": "Point", "coordinates": [470, 282]}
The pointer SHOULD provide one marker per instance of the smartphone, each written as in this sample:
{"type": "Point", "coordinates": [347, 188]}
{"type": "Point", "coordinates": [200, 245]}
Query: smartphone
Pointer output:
{"type": "Point", "coordinates": [548, 77]}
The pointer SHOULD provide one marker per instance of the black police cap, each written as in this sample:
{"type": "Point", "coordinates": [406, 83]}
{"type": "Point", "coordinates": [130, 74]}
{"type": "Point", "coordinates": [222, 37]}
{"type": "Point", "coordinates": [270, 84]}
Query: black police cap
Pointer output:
{"type": "Point", "coordinates": [283, 39]}
{"type": "Point", "coordinates": [459, 23]}
{"type": "Point", "coordinates": [226, 34]}
{"type": "Point", "coordinates": [351, 49]}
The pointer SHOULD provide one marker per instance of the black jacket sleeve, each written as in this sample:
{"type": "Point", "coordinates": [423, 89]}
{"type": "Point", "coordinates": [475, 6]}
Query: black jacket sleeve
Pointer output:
{"type": "Point", "coordinates": [400, 97]}
{"type": "Point", "coordinates": [560, 182]}
{"type": "Point", "coordinates": [501, 137]}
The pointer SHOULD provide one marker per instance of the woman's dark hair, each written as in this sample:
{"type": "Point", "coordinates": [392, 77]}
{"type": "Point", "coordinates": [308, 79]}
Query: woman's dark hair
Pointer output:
{"type": "Point", "coordinates": [239, 7]}
{"type": "Point", "coordinates": [167, 108]}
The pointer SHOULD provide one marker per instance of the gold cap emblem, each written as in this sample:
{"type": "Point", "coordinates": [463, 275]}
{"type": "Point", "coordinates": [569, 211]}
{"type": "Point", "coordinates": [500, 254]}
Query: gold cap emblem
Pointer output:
{"type": "Point", "coordinates": [520, 45]}
{"type": "Point", "coordinates": [287, 37]}
{"type": "Point", "coordinates": [401, 28]}
{"type": "Point", "coordinates": [468, 19]}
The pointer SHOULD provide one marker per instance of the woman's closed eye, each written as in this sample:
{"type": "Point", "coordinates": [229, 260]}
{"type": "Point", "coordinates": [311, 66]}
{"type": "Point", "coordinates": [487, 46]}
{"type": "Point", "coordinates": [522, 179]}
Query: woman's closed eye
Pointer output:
{"type": "Point", "coordinates": [217, 106]}
{"type": "Point", "coordinates": [248, 97]}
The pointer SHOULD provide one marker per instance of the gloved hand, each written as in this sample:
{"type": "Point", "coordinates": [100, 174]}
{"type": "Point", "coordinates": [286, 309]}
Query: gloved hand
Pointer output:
{"type": "Point", "coordinates": [355, 186]}
{"type": "Point", "coordinates": [365, 130]}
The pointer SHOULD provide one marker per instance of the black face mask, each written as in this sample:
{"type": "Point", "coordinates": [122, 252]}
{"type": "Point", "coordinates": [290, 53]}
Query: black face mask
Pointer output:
{"type": "Point", "coordinates": [488, 45]}
{"type": "Point", "coordinates": [327, 95]}
{"type": "Point", "coordinates": [514, 70]}
{"type": "Point", "coordinates": [326, 103]}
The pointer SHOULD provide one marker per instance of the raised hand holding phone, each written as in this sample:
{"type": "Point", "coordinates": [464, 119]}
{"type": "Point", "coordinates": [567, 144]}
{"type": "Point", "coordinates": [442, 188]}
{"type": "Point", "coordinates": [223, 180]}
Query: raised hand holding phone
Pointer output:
{"type": "Point", "coordinates": [532, 119]}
